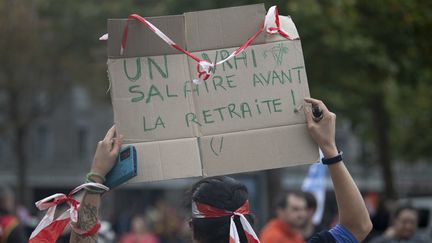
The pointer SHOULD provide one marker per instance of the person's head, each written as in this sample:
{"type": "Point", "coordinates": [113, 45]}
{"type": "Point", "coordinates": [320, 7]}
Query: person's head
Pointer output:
{"type": "Point", "coordinates": [7, 199]}
{"type": "Point", "coordinates": [138, 225]}
{"type": "Point", "coordinates": [405, 219]}
{"type": "Point", "coordinates": [292, 209]}
{"type": "Point", "coordinates": [311, 204]}
{"type": "Point", "coordinates": [223, 193]}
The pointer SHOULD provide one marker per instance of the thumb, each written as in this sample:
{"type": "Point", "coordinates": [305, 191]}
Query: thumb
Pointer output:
{"type": "Point", "coordinates": [117, 145]}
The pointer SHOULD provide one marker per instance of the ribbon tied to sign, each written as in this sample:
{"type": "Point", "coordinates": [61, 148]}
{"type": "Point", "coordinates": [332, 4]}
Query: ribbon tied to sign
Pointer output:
{"type": "Point", "coordinates": [204, 67]}
{"type": "Point", "coordinates": [49, 229]}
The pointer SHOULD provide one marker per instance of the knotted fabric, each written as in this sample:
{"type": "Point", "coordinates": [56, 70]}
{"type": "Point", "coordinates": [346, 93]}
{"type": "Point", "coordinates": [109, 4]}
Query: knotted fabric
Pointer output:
{"type": "Point", "coordinates": [49, 229]}
{"type": "Point", "coordinates": [200, 210]}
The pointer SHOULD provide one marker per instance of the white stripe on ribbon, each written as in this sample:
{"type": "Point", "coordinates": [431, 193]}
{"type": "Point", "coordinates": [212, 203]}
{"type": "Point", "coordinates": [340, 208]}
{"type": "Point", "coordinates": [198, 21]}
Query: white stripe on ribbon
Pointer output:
{"type": "Point", "coordinates": [248, 230]}
{"type": "Point", "coordinates": [234, 236]}
{"type": "Point", "coordinates": [48, 219]}
{"type": "Point", "coordinates": [270, 18]}
{"type": "Point", "coordinates": [104, 37]}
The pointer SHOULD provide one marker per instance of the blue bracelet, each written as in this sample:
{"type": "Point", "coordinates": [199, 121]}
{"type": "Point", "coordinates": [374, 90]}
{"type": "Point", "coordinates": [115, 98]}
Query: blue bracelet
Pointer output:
{"type": "Point", "coordinates": [329, 161]}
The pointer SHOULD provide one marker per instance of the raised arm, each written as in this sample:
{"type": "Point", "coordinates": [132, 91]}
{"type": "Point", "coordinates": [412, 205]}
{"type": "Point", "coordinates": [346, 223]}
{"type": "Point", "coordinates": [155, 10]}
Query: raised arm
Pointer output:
{"type": "Point", "coordinates": [353, 214]}
{"type": "Point", "coordinates": [103, 161]}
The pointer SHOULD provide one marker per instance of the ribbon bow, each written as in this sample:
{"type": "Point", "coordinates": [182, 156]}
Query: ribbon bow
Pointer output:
{"type": "Point", "coordinates": [49, 229]}
{"type": "Point", "coordinates": [272, 23]}
{"type": "Point", "coordinates": [204, 67]}
{"type": "Point", "coordinates": [200, 210]}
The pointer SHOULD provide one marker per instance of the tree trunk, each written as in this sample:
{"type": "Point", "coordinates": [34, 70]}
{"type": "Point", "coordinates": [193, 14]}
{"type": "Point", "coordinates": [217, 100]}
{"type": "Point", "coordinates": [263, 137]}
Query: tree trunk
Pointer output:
{"type": "Point", "coordinates": [382, 127]}
{"type": "Point", "coordinates": [19, 136]}
{"type": "Point", "coordinates": [274, 187]}
{"type": "Point", "coordinates": [21, 173]}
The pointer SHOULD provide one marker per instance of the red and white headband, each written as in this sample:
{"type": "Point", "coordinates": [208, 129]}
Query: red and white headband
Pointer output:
{"type": "Point", "coordinates": [202, 211]}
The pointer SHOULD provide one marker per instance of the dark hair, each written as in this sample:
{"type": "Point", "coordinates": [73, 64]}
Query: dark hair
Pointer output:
{"type": "Point", "coordinates": [224, 193]}
{"type": "Point", "coordinates": [282, 199]}
{"type": "Point", "coordinates": [401, 208]}
{"type": "Point", "coordinates": [311, 202]}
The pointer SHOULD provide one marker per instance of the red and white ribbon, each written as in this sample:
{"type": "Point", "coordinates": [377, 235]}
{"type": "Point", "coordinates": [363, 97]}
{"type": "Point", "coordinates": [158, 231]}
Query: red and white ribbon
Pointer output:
{"type": "Point", "coordinates": [200, 210]}
{"type": "Point", "coordinates": [49, 229]}
{"type": "Point", "coordinates": [271, 25]}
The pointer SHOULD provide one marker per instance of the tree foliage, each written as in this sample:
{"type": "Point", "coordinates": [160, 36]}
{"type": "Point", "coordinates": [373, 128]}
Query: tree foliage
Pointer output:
{"type": "Point", "coordinates": [358, 52]}
{"type": "Point", "coordinates": [371, 61]}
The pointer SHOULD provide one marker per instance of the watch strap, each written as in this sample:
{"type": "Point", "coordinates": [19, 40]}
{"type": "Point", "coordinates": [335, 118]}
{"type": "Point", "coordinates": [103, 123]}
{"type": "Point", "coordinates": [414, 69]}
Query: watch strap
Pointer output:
{"type": "Point", "coordinates": [329, 161]}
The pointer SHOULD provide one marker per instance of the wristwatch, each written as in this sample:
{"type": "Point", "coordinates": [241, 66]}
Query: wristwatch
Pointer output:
{"type": "Point", "coordinates": [329, 161]}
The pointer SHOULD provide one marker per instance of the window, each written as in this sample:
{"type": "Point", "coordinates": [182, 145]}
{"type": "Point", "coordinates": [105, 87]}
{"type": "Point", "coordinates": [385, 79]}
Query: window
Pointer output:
{"type": "Point", "coordinates": [45, 139]}
{"type": "Point", "coordinates": [80, 98]}
{"type": "Point", "coordinates": [1, 148]}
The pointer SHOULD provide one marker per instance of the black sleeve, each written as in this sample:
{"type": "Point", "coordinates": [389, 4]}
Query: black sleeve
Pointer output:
{"type": "Point", "coordinates": [17, 235]}
{"type": "Point", "coordinates": [322, 237]}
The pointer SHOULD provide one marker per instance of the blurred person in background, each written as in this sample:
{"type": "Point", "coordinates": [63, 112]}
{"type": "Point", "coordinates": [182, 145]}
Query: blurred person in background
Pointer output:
{"type": "Point", "coordinates": [139, 232]}
{"type": "Point", "coordinates": [167, 223]}
{"type": "Point", "coordinates": [11, 231]}
{"type": "Point", "coordinates": [381, 217]}
{"type": "Point", "coordinates": [106, 233]}
{"type": "Point", "coordinates": [220, 205]}
{"type": "Point", "coordinates": [309, 228]}
{"type": "Point", "coordinates": [291, 217]}
{"type": "Point", "coordinates": [403, 228]}
{"type": "Point", "coordinates": [380, 209]}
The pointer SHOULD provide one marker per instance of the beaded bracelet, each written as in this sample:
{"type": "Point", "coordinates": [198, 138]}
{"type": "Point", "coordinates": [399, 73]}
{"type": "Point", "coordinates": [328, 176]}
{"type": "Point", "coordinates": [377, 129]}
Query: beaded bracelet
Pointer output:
{"type": "Point", "coordinates": [93, 190]}
{"type": "Point", "coordinates": [90, 174]}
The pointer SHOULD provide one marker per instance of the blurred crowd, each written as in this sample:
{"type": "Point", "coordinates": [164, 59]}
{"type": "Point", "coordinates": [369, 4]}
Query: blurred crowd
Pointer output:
{"type": "Point", "coordinates": [162, 223]}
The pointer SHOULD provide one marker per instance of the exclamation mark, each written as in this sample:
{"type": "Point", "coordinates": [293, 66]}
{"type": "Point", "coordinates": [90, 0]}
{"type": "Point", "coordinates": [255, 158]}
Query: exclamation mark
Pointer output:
{"type": "Point", "coordinates": [293, 98]}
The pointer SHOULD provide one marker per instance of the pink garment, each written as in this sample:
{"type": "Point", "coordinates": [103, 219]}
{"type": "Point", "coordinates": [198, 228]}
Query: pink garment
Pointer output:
{"type": "Point", "coordinates": [143, 238]}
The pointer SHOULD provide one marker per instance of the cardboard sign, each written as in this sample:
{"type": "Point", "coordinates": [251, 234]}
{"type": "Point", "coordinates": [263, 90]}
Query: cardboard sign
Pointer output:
{"type": "Point", "coordinates": [243, 118]}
